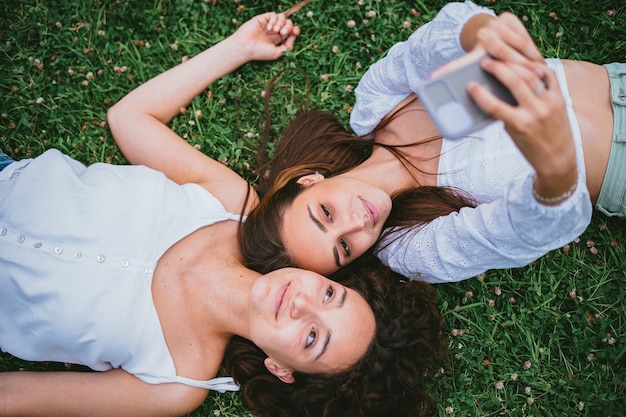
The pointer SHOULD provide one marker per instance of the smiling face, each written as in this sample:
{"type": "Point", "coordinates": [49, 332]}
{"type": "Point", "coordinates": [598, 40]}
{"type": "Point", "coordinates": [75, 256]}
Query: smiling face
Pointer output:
{"type": "Point", "coordinates": [333, 221]}
{"type": "Point", "coordinates": [308, 323]}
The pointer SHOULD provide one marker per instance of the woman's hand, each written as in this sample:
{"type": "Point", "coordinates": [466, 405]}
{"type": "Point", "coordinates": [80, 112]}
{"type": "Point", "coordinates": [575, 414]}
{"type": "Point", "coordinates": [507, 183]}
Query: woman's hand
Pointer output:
{"type": "Point", "coordinates": [266, 36]}
{"type": "Point", "coordinates": [503, 38]}
{"type": "Point", "coordinates": [539, 124]}
{"type": "Point", "coordinates": [506, 39]}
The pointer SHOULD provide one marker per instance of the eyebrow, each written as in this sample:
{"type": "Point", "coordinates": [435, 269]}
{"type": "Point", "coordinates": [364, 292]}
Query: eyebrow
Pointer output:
{"type": "Point", "coordinates": [321, 226]}
{"type": "Point", "coordinates": [326, 341]}
{"type": "Point", "coordinates": [316, 220]}
{"type": "Point", "coordinates": [340, 304]}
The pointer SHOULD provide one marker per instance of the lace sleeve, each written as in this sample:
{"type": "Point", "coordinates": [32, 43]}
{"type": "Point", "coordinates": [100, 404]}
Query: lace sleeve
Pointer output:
{"type": "Point", "coordinates": [408, 63]}
{"type": "Point", "coordinates": [506, 233]}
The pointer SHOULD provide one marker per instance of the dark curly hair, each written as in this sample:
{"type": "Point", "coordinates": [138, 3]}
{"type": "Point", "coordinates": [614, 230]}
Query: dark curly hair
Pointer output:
{"type": "Point", "coordinates": [388, 380]}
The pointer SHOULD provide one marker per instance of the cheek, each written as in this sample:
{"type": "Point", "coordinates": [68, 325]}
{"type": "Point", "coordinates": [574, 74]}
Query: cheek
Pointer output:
{"type": "Point", "coordinates": [366, 240]}
{"type": "Point", "coordinates": [282, 348]}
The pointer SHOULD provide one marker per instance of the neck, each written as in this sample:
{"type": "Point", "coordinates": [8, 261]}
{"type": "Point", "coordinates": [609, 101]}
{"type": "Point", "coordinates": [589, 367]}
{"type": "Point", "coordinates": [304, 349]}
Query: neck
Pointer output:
{"type": "Point", "coordinates": [385, 171]}
{"type": "Point", "coordinates": [420, 141]}
{"type": "Point", "coordinates": [227, 298]}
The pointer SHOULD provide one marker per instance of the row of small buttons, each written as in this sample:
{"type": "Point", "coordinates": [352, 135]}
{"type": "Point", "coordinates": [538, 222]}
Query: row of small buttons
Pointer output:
{"type": "Point", "coordinates": [58, 250]}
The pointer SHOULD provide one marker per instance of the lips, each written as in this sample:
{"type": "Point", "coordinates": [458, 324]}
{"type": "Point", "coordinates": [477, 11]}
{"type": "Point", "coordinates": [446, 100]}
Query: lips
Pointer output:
{"type": "Point", "coordinates": [280, 298]}
{"type": "Point", "coordinates": [372, 211]}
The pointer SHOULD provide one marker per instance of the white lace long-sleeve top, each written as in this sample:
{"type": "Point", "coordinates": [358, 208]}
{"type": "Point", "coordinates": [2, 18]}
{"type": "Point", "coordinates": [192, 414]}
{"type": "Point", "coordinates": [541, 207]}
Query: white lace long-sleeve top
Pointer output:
{"type": "Point", "coordinates": [508, 228]}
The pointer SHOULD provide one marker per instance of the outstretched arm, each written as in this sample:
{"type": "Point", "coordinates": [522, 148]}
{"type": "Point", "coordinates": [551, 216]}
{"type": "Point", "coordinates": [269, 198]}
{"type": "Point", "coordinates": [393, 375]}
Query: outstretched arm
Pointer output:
{"type": "Point", "coordinates": [112, 393]}
{"type": "Point", "coordinates": [138, 121]}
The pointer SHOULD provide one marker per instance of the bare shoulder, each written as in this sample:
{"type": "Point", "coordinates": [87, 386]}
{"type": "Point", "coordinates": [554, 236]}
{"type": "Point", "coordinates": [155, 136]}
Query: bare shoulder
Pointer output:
{"type": "Point", "coordinates": [408, 123]}
{"type": "Point", "coordinates": [233, 192]}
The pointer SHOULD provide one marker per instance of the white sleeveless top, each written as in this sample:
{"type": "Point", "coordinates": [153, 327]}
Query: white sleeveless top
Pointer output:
{"type": "Point", "coordinates": [78, 248]}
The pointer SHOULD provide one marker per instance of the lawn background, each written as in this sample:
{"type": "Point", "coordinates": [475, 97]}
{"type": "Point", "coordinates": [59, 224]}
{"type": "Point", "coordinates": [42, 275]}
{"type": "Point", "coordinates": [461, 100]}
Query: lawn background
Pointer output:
{"type": "Point", "coordinates": [544, 340]}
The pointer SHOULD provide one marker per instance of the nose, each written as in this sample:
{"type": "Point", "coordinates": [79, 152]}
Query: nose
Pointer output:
{"type": "Point", "coordinates": [354, 222]}
{"type": "Point", "coordinates": [301, 306]}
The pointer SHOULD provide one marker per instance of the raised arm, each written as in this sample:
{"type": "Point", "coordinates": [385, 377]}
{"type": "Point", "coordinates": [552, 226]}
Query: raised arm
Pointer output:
{"type": "Point", "coordinates": [138, 121]}
{"type": "Point", "coordinates": [111, 393]}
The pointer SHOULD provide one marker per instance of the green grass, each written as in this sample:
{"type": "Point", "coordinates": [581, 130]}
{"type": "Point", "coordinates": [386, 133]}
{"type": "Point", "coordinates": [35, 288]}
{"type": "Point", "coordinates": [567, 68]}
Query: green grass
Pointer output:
{"type": "Point", "coordinates": [565, 314]}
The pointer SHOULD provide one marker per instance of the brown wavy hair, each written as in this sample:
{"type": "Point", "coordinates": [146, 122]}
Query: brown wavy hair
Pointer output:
{"type": "Point", "coordinates": [388, 380]}
{"type": "Point", "coordinates": [316, 141]}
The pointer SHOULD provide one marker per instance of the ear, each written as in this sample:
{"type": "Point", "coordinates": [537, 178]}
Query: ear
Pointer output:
{"type": "Point", "coordinates": [278, 371]}
{"type": "Point", "coordinates": [310, 179]}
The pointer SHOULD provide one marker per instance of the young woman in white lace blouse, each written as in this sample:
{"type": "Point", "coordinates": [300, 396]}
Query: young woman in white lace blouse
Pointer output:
{"type": "Point", "coordinates": [498, 198]}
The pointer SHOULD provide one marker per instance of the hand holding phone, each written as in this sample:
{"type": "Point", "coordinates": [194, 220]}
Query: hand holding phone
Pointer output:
{"type": "Point", "coordinates": [452, 109]}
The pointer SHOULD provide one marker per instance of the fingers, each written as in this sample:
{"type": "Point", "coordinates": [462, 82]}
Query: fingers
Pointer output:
{"type": "Point", "coordinates": [535, 90]}
{"type": "Point", "coordinates": [524, 42]}
{"type": "Point", "coordinates": [279, 24]}
{"type": "Point", "coordinates": [274, 34]}
{"type": "Point", "coordinates": [291, 39]}
{"type": "Point", "coordinates": [275, 22]}
{"type": "Point", "coordinates": [507, 39]}
{"type": "Point", "coordinates": [538, 124]}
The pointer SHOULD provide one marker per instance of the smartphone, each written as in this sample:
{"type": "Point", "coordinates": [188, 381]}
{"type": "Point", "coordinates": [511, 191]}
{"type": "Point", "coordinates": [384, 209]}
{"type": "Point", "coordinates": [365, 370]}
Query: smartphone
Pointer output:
{"type": "Point", "coordinates": [454, 112]}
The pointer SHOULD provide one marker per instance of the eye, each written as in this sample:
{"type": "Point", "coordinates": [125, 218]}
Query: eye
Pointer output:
{"type": "Point", "coordinates": [327, 213]}
{"type": "Point", "coordinates": [345, 247]}
{"type": "Point", "coordinates": [328, 295]}
{"type": "Point", "coordinates": [310, 339]}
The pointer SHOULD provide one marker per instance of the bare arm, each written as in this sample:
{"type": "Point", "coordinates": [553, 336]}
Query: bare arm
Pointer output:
{"type": "Point", "coordinates": [112, 393]}
{"type": "Point", "coordinates": [138, 121]}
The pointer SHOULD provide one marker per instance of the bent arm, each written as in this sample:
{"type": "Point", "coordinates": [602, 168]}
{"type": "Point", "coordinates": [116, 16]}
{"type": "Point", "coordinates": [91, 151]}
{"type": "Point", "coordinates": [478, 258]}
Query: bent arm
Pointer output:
{"type": "Point", "coordinates": [138, 121]}
{"type": "Point", "coordinates": [112, 393]}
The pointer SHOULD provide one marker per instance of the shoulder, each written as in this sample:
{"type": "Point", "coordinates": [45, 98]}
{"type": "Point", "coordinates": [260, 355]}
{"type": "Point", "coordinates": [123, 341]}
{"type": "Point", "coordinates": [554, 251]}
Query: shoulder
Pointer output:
{"type": "Point", "coordinates": [236, 194]}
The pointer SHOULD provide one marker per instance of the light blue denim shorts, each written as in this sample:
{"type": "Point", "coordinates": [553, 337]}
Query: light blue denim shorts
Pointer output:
{"type": "Point", "coordinates": [612, 197]}
{"type": "Point", "coordinates": [5, 160]}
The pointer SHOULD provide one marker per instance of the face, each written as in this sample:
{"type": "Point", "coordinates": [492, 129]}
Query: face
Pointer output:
{"type": "Point", "coordinates": [333, 221]}
{"type": "Point", "coordinates": [308, 323]}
